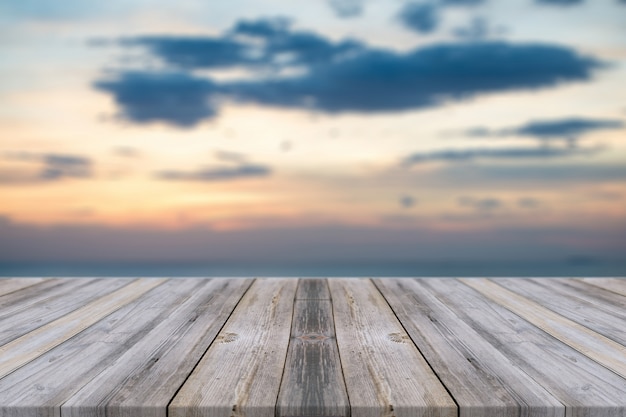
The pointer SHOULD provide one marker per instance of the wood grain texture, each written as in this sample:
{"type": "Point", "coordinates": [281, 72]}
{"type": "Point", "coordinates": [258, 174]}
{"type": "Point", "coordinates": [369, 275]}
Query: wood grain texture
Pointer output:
{"type": "Point", "coordinates": [569, 303]}
{"type": "Point", "coordinates": [600, 348]}
{"type": "Point", "coordinates": [143, 381]}
{"type": "Point", "coordinates": [241, 372]}
{"type": "Point", "coordinates": [32, 307]}
{"type": "Point", "coordinates": [26, 348]}
{"type": "Point", "coordinates": [385, 374]}
{"type": "Point", "coordinates": [124, 347]}
{"type": "Point", "coordinates": [606, 300]}
{"type": "Point", "coordinates": [582, 385]}
{"type": "Point", "coordinates": [312, 383]}
{"type": "Point", "coordinates": [616, 285]}
{"type": "Point", "coordinates": [482, 381]}
{"type": "Point", "coordinates": [40, 387]}
{"type": "Point", "coordinates": [312, 289]}
{"type": "Point", "coordinates": [9, 285]}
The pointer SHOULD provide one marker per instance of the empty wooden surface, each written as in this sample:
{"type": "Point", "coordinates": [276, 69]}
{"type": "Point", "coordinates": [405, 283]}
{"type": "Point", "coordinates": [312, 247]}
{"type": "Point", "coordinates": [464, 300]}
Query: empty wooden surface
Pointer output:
{"type": "Point", "coordinates": [313, 382]}
{"type": "Point", "coordinates": [482, 380]}
{"type": "Point", "coordinates": [313, 347]}
{"type": "Point", "coordinates": [385, 373]}
{"type": "Point", "coordinates": [241, 372]}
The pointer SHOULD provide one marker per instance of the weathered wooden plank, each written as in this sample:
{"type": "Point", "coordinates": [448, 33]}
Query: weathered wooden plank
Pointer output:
{"type": "Point", "coordinates": [567, 302]}
{"type": "Point", "coordinates": [482, 380]}
{"type": "Point", "coordinates": [9, 285]}
{"type": "Point", "coordinates": [603, 299]}
{"type": "Point", "coordinates": [385, 373]}
{"type": "Point", "coordinates": [146, 377]}
{"type": "Point", "coordinates": [312, 289]}
{"type": "Point", "coordinates": [583, 386]}
{"type": "Point", "coordinates": [599, 348]}
{"type": "Point", "coordinates": [312, 383]}
{"type": "Point", "coordinates": [37, 305]}
{"type": "Point", "coordinates": [40, 387]}
{"type": "Point", "coordinates": [26, 348]}
{"type": "Point", "coordinates": [240, 373]}
{"type": "Point", "coordinates": [616, 285]}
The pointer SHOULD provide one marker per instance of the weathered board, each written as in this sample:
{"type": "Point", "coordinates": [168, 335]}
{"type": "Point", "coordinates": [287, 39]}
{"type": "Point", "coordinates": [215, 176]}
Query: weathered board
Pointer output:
{"type": "Point", "coordinates": [37, 305]}
{"type": "Point", "coordinates": [241, 372]}
{"type": "Point", "coordinates": [313, 382]}
{"type": "Point", "coordinates": [40, 387]}
{"type": "Point", "coordinates": [146, 377]}
{"type": "Point", "coordinates": [616, 285]}
{"type": "Point", "coordinates": [482, 380]}
{"type": "Point", "coordinates": [9, 285]}
{"type": "Point", "coordinates": [385, 373]}
{"type": "Point", "coordinates": [312, 347]}
{"type": "Point", "coordinates": [600, 348]}
{"type": "Point", "coordinates": [600, 318]}
{"type": "Point", "coordinates": [577, 381]}
{"type": "Point", "coordinates": [29, 346]}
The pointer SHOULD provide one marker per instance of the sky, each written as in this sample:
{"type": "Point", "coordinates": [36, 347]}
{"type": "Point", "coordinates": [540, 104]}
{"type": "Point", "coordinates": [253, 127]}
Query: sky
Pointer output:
{"type": "Point", "coordinates": [318, 131]}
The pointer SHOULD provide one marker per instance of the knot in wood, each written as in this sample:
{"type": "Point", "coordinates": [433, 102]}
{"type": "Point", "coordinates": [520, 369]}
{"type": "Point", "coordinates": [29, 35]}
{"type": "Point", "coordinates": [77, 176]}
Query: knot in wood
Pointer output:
{"type": "Point", "coordinates": [312, 337]}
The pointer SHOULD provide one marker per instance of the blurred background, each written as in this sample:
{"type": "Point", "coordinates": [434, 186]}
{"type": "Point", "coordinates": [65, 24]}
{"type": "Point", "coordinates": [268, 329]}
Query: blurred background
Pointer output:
{"type": "Point", "coordinates": [303, 138]}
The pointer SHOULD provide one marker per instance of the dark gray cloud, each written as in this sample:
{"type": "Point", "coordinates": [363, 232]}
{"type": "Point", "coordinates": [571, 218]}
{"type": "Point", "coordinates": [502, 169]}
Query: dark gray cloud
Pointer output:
{"type": "Point", "coordinates": [57, 166]}
{"type": "Point", "coordinates": [175, 98]}
{"type": "Point", "coordinates": [513, 153]}
{"type": "Point", "coordinates": [347, 8]}
{"type": "Point", "coordinates": [425, 16]}
{"type": "Point", "coordinates": [266, 44]}
{"type": "Point", "coordinates": [528, 174]}
{"type": "Point", "coordinates": [569, 128]}
{"type": "Point", "coordinates": [338, 77]}
{"type": "Point", "coordinates": [262, 28]}
{"type": "Point", "coordinates": [420, 17]}
{"type": "Point", "coordinates": [50, 167]}
{"type": "Point", "coordinates": [196, 52]}
{"type": "Point", "coordinates": [407, 201]}
{"type": "Point", "coordinates": [560, 2]}
{"type": "Point", "coordinates": [246, 170]}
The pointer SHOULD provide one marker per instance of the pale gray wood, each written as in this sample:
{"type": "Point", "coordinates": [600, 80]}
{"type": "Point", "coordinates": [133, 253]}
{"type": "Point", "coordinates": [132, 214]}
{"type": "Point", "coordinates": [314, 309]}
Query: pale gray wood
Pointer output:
{"type": "Point", "coordinates": [24, 349]}
{"type": "Point", "coordinates": [582, 385]}
{"type": "Point", "coordinates": [9, 285]}
{"type": "Point", "coordinates": [312, 289]}
{"type": "Point", "coordinates": [40, 387]}
{"type": "Point", "coordinates": [482, 381]}
{"type": "Point", "coordinates": [385, 373]}
{"type": "Point", "coordinates": [37, 305]}
{"type": "Point", "coordinates": [312, 383]}
{"type": "Point", "coordinates": [241, 372]}
{"type": "Point", "coordinates": [144, 380]}
{"type": "Point", "coordinates": [616, 285]}
{"type": "Point", "coordinates": [567, 302]}
{"type": "Point", "coordinates": [603, 299]}
{"type": "Point", "coordinates": [599, 348]}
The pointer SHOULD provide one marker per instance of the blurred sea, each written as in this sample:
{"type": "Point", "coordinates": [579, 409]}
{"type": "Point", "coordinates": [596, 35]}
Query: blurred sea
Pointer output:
{"type": "Point", "coordinates": [576, 266]}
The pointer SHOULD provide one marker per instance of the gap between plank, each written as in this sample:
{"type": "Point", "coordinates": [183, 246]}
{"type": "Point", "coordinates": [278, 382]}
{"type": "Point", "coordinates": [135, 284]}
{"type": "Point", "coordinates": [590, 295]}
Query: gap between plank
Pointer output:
{"type": "Point", "coordinates": [167, 407]}
{"type": "Point", "coordinates": [458, 408]}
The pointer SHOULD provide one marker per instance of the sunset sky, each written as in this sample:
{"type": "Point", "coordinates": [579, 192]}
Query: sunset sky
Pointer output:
{"type": "Point", "coordinates": [317, 130]}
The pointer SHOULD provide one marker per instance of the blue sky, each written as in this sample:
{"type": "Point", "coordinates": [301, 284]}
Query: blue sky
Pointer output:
{"type": "Point", "coordinates": [327, 130]}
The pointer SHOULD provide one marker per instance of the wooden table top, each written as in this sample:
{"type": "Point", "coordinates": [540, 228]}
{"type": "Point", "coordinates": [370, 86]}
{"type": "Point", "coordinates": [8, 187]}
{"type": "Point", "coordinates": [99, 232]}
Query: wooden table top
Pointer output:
{"type": "Point", "coordinates": [433, 347]}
